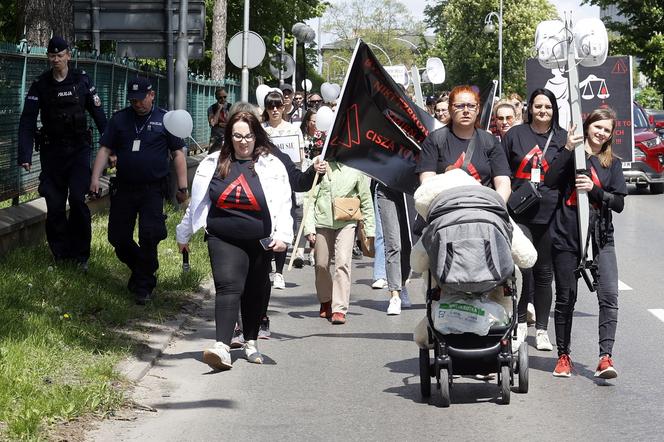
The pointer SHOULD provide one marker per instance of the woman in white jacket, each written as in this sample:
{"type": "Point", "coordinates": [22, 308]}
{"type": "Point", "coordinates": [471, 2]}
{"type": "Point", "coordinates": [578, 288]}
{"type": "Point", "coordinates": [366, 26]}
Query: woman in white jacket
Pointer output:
{"type": "Point", "coordinates": [242, 196]}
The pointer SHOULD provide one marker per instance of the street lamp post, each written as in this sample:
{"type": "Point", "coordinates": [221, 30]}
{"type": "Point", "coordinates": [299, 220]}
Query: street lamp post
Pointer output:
{"type": "Point", "coordinates": [489, 28]}
{"type": "Point", "coordinates": [303, 34]}
{"type": "Point", "coordinates": [413, 45]}
{"type": "Point", "coordinates": [381, 50]}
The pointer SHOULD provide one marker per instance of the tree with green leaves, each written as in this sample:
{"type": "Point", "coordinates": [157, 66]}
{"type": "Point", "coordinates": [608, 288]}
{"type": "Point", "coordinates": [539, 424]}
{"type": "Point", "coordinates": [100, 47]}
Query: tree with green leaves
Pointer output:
{"type": "Point", "coordinates": [382, 23]}
{"type": "Point", "coordinates": [640, 34]}
{"type": "Point", "coordinates": [470, 55]}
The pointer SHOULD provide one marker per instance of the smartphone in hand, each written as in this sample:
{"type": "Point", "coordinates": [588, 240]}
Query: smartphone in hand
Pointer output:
{"type": "Point", "coordinates": [265, 242]}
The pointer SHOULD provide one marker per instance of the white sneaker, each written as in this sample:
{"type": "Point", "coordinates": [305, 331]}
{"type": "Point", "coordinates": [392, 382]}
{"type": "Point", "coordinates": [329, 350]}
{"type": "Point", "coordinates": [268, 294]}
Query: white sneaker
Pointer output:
{"type": "Point", "coordinates": [405, 299]}
{"type": "Point", "coordinates": [218, 357]}
{"type": "Point", "coordinates": [379, 284]}
{"type": "Point", "coordinates": [521, 335]}
{"type": "Point", "coordinates": [542, 341]}
{"type": "Point", "coordinates": [530, 314]}
{"type": "Point", "coordinates": [394, 307]}
{"type": "Point", "coordinates": [252, 353]}
{"type": "Point", "coordinates": [279, 282]}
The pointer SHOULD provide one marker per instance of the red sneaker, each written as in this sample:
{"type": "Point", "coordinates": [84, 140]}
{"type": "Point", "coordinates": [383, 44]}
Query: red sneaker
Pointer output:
{"type": "Point", "coordinates": [563, 367]}
{"type": "Point", "coordinates": [605, 368]}
{"type": "Point", "coordinates": [326, 310]}
{"type": "Point", "coordinates": [338, 318]}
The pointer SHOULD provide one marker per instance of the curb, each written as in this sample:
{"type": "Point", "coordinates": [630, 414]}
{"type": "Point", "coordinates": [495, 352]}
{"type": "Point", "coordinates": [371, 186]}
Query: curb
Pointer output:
{"type": "Point", "coordinates": [158, 336]}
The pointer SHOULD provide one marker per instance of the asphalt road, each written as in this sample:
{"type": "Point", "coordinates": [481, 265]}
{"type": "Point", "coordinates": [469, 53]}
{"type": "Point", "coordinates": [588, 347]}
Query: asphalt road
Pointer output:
{"type": "Point", "coordinates": [360, 381]}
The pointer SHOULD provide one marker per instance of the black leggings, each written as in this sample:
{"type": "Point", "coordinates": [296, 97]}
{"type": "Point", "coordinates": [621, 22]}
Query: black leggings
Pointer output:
{"type": "Point", "coordinates": [607, 295]}
{"type": "Point", "coordinates": [241, 273]}
{"type": "Point", "coordinates": [537, 280]}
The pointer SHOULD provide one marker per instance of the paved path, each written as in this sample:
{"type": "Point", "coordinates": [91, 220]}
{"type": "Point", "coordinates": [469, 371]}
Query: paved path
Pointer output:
{"type": "Point", "coordinates": [360, 381]}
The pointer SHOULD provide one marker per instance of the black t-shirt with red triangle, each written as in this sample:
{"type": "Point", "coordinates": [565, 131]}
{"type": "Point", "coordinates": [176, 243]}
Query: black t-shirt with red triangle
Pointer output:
{"type": "Point", "coordinates": [239, 209]}
{"type": "Point", "coordinates": [442, 148]}
{"type": "Point", "coordinates": [564, 228]}
{"type": "Point", "coordinates": [524, 147]}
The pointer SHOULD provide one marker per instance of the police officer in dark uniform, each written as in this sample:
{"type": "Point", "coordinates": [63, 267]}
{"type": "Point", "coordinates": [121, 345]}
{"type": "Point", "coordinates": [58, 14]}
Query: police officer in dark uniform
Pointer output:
{"type": "Point", "coordinates": [136, 134]}
{"type": "Point", "coordinates": [62, 95]}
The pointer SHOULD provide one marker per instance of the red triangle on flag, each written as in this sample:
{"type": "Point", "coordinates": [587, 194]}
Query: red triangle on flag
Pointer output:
{"type": "Point", "coordinates": [238, 195]}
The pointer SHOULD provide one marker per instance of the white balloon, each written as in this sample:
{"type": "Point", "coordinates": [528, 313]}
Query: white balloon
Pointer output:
{"type": "Point", "coordinates": [435, 70]}
{"type": "Point", "coordinates": [261, 92]}
{"type": "Point", "coordinates": [179, 123]}
{"type": "Point", "coordinates": [329, 92]}
{"type": "Point", "coordinates": [307, 86]}
{"type": "Point", "coordinates": [324, 118]}
{"type": "Point", "coordinates": [337, 89]}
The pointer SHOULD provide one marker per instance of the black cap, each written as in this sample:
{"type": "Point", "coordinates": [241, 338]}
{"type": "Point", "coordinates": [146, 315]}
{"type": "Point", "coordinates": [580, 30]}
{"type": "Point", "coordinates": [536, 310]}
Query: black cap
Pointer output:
{"type": "Point", "coordinates": [286, 87]}
{"type": "Point", "coordinates": [57, 44]}
{"type": "Point", "coordinates": [138, 88]}
{"type": "Point", "coordinates": [431, 100]}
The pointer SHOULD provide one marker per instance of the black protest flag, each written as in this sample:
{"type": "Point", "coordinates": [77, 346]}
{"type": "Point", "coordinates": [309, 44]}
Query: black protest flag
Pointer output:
{"type": "Point", "coordinates": [378, 129]}
{"type": "Point", "coordinates": [486, 99]}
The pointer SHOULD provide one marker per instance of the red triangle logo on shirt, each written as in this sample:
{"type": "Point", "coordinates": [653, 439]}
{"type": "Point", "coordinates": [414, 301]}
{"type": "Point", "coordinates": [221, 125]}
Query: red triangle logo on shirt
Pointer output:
{"type": "Point", "coordinates": [238, 195]}
{"type": "Point", "coordinates": [572, 200]}
{"type": "Point", "coordinates": [526, 161]}
{"type": "Point", "coordinates": [471, 169]}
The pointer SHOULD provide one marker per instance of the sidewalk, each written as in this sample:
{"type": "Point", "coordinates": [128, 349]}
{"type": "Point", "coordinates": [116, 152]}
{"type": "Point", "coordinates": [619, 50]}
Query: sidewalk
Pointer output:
{"type": "Point", "coordinates": [312, 368]}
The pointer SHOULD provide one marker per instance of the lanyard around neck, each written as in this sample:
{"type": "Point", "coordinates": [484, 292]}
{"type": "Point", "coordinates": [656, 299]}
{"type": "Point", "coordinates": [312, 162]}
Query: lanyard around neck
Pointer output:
{"type": "Point", "coordinates": [138, 131]}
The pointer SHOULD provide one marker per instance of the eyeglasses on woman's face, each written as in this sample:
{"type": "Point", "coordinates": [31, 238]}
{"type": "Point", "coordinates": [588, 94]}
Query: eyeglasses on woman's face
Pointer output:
{"type": "Point", "coordinates": [508, 118]}
{"type": "Point", "coordinates": [461, 106]}
{"type": "Point", "coordinates": [239, 137]}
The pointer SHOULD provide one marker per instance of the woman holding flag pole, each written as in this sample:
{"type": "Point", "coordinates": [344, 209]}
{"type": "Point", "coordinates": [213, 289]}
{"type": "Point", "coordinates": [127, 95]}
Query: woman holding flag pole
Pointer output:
{"type": "Point", "coordinates": [605, 185]}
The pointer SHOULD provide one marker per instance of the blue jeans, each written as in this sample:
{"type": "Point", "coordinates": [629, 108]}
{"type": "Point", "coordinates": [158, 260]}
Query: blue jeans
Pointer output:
{"type": "Point", "coordinates": [379, 245]}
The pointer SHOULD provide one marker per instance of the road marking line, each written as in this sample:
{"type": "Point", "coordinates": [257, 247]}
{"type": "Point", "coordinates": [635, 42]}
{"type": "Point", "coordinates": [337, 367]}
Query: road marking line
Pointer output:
{"type": "Point", "coordinates": [658, 313]}
{"type": "Point", "coordinates": [623, 287]}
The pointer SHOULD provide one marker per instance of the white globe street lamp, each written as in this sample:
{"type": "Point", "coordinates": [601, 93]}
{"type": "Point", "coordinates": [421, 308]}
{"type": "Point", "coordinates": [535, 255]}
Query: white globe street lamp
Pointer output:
{"type": "Point", "coordinates": [490, 28]}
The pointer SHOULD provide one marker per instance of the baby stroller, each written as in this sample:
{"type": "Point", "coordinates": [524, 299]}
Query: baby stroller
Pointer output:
{"type": "Point", "coordinates": [468, 242]}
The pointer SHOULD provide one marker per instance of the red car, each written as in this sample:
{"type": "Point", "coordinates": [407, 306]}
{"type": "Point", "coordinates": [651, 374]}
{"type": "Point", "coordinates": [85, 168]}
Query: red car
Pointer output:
{"type": "Point", "coordinates": [647, 169]}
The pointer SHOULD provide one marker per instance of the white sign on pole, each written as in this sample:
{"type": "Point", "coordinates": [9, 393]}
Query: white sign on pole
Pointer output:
{"type": "Point", "coordinates": [255, 54]}
{"type": "Point", "coordinates": [399, 73]}
{"type": "Point", "coordinates": [288, 144]}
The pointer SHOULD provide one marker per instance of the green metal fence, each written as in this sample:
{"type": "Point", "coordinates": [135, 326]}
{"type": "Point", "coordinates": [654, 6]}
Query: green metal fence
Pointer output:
{"type": "Point", "coordinates": [18, 69]}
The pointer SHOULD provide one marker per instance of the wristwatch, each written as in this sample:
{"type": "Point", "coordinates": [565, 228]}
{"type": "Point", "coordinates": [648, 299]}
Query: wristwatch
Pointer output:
{"type": "Point", "coordinates": [183, 190]}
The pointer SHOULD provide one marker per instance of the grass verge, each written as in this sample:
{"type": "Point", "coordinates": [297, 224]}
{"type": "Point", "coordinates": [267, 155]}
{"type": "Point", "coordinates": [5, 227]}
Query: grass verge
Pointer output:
{"type": "Point", "coordinates": [59, 329]}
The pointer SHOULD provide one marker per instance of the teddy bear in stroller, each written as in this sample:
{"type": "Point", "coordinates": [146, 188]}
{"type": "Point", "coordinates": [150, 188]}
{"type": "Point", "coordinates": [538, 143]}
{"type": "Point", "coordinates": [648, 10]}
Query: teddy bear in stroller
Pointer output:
{"type": "Point", "coordinates": [468, 253]}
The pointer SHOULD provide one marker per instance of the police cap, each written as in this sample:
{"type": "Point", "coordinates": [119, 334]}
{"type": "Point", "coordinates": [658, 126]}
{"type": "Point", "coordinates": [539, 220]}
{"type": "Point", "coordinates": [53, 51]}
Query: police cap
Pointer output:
{"type": "Point", "coordinates": [57, 44]}
{"type": "Point", "coordinates": [138, 88]}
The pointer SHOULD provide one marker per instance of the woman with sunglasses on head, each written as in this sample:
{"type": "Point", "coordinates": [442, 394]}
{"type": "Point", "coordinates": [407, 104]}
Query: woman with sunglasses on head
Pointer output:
{"type": "Point", "coordinates": [462, 144]}
{"type": "Point", "coordinates": [606, 188]}
{"type": "Point", "coordinates": [530, 148]}
{"type": "Point", "coordinates": [241, 196]}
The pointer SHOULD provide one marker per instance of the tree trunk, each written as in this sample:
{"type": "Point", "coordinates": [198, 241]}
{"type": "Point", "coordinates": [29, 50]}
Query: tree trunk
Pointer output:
{"type": "Point", "coordinates": [218, 66]}
{"type": "Point", "coordinates": [42, 19]}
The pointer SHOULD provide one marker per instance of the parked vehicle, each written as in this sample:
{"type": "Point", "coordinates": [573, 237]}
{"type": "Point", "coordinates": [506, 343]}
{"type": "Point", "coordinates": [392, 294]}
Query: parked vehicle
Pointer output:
{"type": "Point", "coordinates": [656, 119]}
{"type": "Point", "coordinates": [647, 168]}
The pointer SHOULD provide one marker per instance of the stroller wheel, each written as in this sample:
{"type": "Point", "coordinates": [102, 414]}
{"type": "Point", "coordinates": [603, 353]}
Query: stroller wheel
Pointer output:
{"type": "Point", "coordinates": [523, 368]}
{"type": "Point", "coordinates": [505, 384]}
{"type": "Point", "coordinates": [444, 387]}
{"type": "Point", "coordinates": [425, 373]}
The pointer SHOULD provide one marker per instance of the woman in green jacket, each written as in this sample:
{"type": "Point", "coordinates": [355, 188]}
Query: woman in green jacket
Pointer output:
{"type": "Point", "coordinates": [334, 239]}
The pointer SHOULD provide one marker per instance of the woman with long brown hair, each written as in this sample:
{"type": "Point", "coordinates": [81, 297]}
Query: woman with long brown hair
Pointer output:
{"type": "Point", "coordinates": [605, 184]}
{"type": "Point", "coordinates": [241, 195]}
